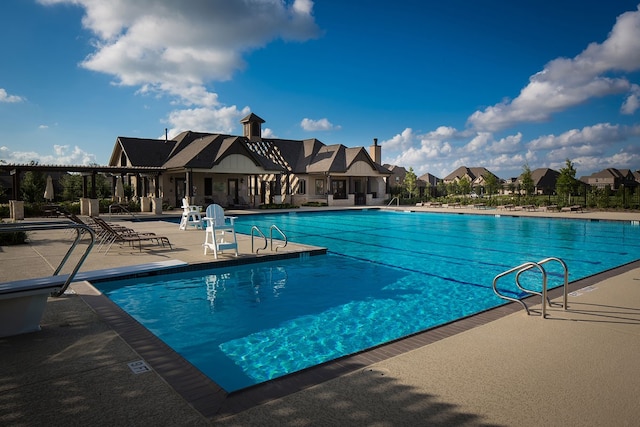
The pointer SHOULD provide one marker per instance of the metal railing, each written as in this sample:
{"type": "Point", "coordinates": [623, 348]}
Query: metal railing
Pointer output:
{"type": "Point", "coordinates": [261, 234]}
{"type": "Point", "coordinates": [526, 267]}
{"type": "Point", "coordinates": [256, 231]}
{"type": "Point", "coordinates": [391, 201]}
{"type": "Point", "coordinates": [80, 229]}
{"type": "Point", "coordinates": [275, 227]}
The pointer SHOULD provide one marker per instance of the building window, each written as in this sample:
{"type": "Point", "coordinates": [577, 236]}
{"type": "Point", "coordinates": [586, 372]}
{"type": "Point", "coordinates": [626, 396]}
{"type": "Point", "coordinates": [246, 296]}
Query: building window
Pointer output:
{"type": "Point", "coordinates": [319, 187]}
{"type": "Point", "coordinates": [339, 188]}
{"type": "Point", "coordinates": [208, 186]}
{"type": "Point", "coordinates": [302, 186]}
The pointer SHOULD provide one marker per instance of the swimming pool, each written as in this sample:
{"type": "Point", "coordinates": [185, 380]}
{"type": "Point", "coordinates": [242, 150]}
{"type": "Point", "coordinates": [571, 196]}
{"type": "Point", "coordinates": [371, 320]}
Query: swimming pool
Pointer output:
{"type": "Point", "coordinates": [386, 275]}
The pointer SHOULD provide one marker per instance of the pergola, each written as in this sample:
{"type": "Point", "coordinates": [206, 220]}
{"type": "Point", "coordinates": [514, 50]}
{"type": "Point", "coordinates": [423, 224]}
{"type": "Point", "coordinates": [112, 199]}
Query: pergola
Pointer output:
{"type": "Point", "coordinates": [86, 171]}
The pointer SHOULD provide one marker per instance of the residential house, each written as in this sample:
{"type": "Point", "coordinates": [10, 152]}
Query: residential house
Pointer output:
{"type": "Point", "coordinates": [250, 170]}
{"type": "Point", "coordinates": [544, 180]}
{"type": "Point", "coordinates": [612, 178]}
{"type": "Point", "coordinates": [428, 185]}
{"type": "Point", "coordinates": [474, 175]}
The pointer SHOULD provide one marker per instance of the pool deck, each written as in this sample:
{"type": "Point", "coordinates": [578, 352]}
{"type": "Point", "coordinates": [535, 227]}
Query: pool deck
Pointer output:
{"type": "Point", "coordinates": [501, 367]}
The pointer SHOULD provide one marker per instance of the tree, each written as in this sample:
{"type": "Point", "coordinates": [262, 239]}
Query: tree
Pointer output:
{"type": "Point", "coordinates": [71, 186]}
{"type": "Point", "coordinates": [526, 181]}
{"type": "Point", "coordinates": [566, 184]}
{"type": "Point", "coordinates": [33, 186]}
{"type": "Point", "coordinates": [464, 185]}
{"type": "Point", "coordinates": [490, 183]}
{"type": "Point", "coordinates": [410, 182]}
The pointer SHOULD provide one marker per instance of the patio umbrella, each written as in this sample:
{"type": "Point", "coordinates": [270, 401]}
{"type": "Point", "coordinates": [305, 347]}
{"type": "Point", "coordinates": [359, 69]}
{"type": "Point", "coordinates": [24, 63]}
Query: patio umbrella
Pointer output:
{"type": "Point", "coordinates": [119, 190]}
{"type": "Point", "coordinates": [48, 191]}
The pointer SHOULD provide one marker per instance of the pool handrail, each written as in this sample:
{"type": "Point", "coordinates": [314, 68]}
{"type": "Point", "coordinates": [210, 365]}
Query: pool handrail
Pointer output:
{"type": "Point", "coordinates": [275, 227]}
{"type": "Point", "coordinates": [522, 267]}
{"type": "Point", "coordinates": [257, 230]}
{"type": "Point", "coordinates": [54, 225]}
{"type": "Point", "coordinates": [528, 266]}
{"type": "Point", "coordinates": [22, 302]}
{"type": "Point", "coordinates": [566, 279]}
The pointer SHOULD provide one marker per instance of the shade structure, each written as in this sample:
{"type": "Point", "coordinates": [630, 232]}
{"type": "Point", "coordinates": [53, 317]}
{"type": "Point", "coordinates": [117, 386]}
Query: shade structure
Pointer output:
{"type": "Point", "coordinates": [48, 191]}
{"type": "Point", "coordinates": [119, 190]}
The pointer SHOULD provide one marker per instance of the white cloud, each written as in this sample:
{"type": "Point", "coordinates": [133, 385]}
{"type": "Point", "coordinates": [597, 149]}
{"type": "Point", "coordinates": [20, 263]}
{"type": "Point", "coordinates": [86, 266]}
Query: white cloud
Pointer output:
{"type": "Point", "coordinates": [318, 125]}
{"type": "Point", "coordinates": [5, 97]}
{"type": "Point", "coordinates": [61, 155]}
{"type": "Point", "coordinates": [564, 83]}
{"type": "Point", "coordinates": [268, 133]}
{"type": "Point", "coordinates": [220, 120]}
{"type": "Point", "coordinates": [632, 103]}
{"type": "Point", "coordinates": [401, 141]}
{"type": "Point", "coordinates": [449, 148]}
{"type": "Point", "coordinates": [589, 147]}
{"type": "Point", "coordinates": [169, 48]}
{"type": "Point", "coordinates": [601, 134]}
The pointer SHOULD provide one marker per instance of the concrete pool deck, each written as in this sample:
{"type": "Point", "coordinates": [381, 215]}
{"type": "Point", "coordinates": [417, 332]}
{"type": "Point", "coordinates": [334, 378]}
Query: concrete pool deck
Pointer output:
{"type": "Point", "coordinates": [577, 367]}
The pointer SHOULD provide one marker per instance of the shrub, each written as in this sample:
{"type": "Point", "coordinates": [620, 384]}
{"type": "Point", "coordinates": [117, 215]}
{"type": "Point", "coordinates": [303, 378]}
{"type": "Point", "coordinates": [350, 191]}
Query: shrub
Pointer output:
{"type": "Point", "coordinates": [13, 238]}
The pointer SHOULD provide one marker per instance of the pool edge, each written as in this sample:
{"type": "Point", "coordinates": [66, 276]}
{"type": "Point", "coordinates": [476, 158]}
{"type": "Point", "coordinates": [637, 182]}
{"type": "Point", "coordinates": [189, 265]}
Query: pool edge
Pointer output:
{"type": "Point", "coordinates": [213, 402]}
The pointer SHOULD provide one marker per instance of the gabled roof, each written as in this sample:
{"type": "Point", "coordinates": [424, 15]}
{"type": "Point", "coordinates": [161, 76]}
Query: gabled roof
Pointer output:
{"type": "Point", "coordinates": [472, 173]}
{"type": "Point", "coordinates": [142, 152]}
{"type": "Point", "coordinates": [544, 177]}
{"type": "Point", "coordinates": [431, 179]}
{"type": "Point", "coordinates": [197, 153]}
{"type": "Point", "coordinates": [330, 158]}
{"type": "Point", "coordinates": [184, 139]}
{"type": "Point", "coordinates": [208, 150]}
{"type": "Point", "coordinates": [612, 173]}
{"type": "Point", "coordinates": [197, 150]}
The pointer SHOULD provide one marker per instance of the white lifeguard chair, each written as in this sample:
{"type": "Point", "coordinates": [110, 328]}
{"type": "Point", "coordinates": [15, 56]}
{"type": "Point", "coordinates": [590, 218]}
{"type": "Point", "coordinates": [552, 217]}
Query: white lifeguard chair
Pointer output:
{"type": "Point", "coordinates": [191, 216]}
{"type": "Point", "coordinates": [220, 233]}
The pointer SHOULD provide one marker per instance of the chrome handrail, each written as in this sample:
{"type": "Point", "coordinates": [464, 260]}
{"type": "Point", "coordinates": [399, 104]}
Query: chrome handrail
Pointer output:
{"type": "Point", "coordinates": [522, 267]}
{"type": "Point", "coordinates": [275, 227]}
{"type": "Point", "coordinates": [527, 266]}
{"type": "Point", "coordinates": [397, 201]}
{"type": "Point", "coordinates": [255, 228]}
{"type": "Point", "coordinates": [566, 279]}
{"type": "Point", "coordinates": [55, 225]}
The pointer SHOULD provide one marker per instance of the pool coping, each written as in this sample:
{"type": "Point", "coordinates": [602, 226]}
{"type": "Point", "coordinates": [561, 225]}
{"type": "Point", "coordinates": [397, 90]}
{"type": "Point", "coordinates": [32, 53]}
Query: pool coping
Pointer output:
{"type": "Point", "coordinates": [213, 402]}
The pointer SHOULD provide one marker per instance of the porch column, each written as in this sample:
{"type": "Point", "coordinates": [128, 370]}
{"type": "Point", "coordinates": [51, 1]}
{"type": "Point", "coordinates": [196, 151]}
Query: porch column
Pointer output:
{"type": "Point", "coordinates": [189, 183]}
{"type": "Point", "coordinates": [277, 198]}
{"type": "Point", "coordinates": [84, 200]}
{"type": "Point", "coordinates": [16, 184]}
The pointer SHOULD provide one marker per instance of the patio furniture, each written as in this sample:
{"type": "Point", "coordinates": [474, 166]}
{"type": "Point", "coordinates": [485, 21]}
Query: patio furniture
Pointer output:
{"type": "Point", "coordinates": [129, 236]}
{"type": "Point", "coordinates": [217, 231]}
{"type": "Point", "coordinates": [191, 216]}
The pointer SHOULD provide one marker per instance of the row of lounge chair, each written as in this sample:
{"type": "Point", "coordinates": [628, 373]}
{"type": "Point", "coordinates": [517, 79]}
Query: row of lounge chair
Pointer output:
{"type": "Point", "coordinates": [109, 233]}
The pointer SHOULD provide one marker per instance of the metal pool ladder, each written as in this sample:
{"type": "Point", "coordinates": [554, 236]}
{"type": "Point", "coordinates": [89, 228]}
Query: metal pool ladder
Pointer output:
{"type": "Point", "coordinates": [526, 267]}
{"type": "Point", "coordinates": [256, 231]}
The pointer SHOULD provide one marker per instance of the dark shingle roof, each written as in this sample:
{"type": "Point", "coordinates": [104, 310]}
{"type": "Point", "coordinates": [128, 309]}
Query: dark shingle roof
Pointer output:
{"type": "Point", "coordinates": [144, 152]}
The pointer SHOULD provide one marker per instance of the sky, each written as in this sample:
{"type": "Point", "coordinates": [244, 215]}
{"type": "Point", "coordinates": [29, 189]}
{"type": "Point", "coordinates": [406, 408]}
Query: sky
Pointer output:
{"type": "Point", "coordinates": [483, 83]}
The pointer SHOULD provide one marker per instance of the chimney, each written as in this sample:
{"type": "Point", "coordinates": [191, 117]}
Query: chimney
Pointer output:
{"type": "Point", "coordinates": [166, 135]}
{"type": "Point", "coordinates": [375, 151]}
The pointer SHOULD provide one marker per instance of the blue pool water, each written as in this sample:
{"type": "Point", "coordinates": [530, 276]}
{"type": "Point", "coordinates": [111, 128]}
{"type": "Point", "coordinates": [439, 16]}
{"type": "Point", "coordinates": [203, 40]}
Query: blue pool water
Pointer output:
{"type": "Point", "coordinates": [386, 275]}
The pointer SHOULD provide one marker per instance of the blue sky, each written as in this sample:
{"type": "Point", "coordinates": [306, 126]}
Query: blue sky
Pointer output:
{"type": "Point", "coordinates": [486, 83]}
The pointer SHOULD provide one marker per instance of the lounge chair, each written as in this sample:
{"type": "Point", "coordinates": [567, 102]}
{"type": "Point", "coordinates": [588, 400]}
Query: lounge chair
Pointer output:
{"type": "Point", "coordinates": [128, 236]}
{"type": "Point", "coordinates": [218, 228]}
{"type": "Point", "coordinates": [574, 208]}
